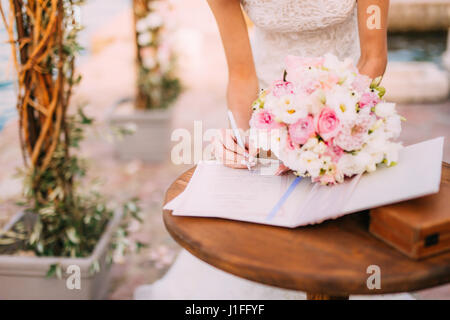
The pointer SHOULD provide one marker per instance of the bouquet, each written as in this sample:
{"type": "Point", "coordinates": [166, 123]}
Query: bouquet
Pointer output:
{"type": "Point", "coordinates": [326, 120]}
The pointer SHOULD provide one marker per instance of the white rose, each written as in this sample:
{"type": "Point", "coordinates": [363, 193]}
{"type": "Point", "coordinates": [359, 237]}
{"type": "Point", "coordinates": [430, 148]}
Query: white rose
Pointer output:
{"type": "Point", "coordinates": [385, 109]}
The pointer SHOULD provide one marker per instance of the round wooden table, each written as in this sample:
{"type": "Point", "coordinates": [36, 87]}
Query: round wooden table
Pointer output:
{"type": "Point", "coordinates": [328, 261]}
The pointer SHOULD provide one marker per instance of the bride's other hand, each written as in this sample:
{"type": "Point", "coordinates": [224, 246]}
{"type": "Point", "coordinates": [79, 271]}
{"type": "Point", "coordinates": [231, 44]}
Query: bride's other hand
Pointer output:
{"type": "Point", "coordinates": [230, 153]}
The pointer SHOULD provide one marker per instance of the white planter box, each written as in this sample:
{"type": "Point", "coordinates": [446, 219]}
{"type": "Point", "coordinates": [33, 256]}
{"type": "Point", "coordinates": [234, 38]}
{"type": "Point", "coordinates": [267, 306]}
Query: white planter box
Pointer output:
{"type": "Point", "coordinates": [25, 277]}
{"type": "Point", "coordinates": [151, 138]}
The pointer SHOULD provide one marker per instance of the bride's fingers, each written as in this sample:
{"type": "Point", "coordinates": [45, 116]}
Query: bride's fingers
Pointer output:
{"type": "Point", "coordinates": [252, 149]}
{"type": "Point", "coordinates": [230, 143]}
{"type": "Point", "coordinates": [228, 157]}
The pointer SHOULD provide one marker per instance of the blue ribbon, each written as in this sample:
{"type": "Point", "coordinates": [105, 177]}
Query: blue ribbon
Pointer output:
{"type": "Point", "coordinates": [283, 199]}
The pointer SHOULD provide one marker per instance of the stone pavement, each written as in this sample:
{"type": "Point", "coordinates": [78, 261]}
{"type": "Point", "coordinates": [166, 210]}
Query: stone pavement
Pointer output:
{"type": "Point", "coordinates": [109, 75]}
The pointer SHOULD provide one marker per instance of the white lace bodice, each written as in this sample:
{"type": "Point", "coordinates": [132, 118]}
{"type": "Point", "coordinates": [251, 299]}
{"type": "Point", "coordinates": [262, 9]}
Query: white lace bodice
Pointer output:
{"type": "Point", "coordinates": [300, 27]}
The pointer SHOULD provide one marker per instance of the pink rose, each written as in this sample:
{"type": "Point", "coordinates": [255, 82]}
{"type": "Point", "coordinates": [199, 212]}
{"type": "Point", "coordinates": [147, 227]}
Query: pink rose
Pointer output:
{"type": "Point", "coordinates": [280, 88]}
{"type": "Point", "coordinates": [302, 130]}
{"type": "Point", "coordinates": [327, 123]}
{"type": "Point", "coordinates": [369, 99]}
{"type": "Point", "coordinates": [264, 119]}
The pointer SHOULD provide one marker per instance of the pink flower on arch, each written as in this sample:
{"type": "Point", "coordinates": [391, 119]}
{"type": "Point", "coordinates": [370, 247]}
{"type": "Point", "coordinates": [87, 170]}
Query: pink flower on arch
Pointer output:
{"type": "Point", "coordinates": [302, 130]}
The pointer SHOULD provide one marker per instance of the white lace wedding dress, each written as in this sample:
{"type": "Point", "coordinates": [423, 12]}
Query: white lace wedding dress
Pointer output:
{"type": "Point", "coordinates": [298, 27]}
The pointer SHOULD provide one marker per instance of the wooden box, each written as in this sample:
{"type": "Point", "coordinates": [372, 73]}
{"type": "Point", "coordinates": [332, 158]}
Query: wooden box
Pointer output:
{"type": "Point", "coordinates": [418, 228]}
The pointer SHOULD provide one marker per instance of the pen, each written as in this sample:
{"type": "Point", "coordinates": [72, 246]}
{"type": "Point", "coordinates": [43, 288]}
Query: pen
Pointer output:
{"type": "Point", "coordinates": [238, 137]}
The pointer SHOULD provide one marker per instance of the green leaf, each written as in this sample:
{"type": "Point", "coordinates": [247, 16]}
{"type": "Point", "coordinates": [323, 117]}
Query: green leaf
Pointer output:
{"type": "Point", "coordinates": [72, 235]}
{"type": "Point", "coordinates": [54, 270]}
{"type": "Point", "coordinates": [84, 118]}
{"type": "Point", "coordinates": [94, 267]}
{"type": "Point", "coordinates": [381, 91]}
{"type": "Point", "coordinates": [375, 82]}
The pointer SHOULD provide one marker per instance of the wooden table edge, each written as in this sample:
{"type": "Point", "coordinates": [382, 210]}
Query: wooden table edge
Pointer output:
{"type": "Point", "coordinates": [221, 263]}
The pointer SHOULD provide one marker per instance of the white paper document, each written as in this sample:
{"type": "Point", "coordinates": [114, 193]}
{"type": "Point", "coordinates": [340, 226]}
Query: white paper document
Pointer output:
{"type": "Point", "coordinates": [217, 191]}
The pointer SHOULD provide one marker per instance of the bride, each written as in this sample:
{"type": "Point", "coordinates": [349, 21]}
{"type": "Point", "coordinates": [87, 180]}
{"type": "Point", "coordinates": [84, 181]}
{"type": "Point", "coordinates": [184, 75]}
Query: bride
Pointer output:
{"type": "Point", "coordinates": [346, 28]}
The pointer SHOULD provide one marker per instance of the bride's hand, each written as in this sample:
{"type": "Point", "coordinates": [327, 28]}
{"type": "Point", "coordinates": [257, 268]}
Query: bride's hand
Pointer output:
{"type": "Point", "coordinates": [242, 91]}
{"type": "Point", "coordinates": [228, 151]}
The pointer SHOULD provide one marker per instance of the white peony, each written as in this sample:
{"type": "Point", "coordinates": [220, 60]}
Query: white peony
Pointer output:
{"type": "Point", "coordinates": [343, 103]}
{"type": "Point", "coordinates": [288, 110]}
{"type": "Point", "coordinates": [292, 160]}
{"type": "Point", "coordinates": [312, 162]}
{"type": "Point", "coordinates": [354, 164]}
{"type": "Point", "coordinates": [385, 109]}
{"type": "Point", "coordinates": [315, 102]}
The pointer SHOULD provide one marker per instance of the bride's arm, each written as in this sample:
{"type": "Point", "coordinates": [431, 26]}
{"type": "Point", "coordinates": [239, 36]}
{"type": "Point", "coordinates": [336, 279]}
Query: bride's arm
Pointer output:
{"type": "Point", "coordinates": [372, 26]}
{"type": "Point", "coordinates": [242, 80]}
